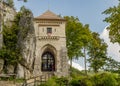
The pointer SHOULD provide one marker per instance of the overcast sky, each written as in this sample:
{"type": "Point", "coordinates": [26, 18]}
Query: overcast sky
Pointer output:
{"type": "Point", "coordinates": [88, 11]}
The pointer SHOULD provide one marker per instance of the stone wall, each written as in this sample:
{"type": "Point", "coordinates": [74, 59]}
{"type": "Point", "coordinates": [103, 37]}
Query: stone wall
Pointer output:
{"type": "Point", "coordinates": [57, 40]}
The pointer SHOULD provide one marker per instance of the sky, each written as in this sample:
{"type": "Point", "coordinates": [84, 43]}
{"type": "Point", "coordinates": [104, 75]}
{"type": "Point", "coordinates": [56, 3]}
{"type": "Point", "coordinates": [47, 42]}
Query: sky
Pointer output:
{"type": "Point", "coordinates": [88, 12]}
{"type": "Point", "coordinates": [113, 49]}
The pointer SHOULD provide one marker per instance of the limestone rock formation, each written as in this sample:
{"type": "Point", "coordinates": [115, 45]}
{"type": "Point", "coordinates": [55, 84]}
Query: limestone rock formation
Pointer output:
{"type": "Point", "coordinates": [28, 53]}
{"type": "Point", "coordinates": [1, 65]}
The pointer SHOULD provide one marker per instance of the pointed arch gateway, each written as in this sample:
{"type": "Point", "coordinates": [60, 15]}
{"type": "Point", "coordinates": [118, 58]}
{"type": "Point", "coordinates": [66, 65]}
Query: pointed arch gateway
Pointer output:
{"type": "Point", "coordinates": [48, 59]}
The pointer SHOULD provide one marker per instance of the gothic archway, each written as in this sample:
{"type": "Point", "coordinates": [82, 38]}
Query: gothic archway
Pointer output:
{"type": "Point", "coordinates": [48, 58]}
{"type": "Point", "coordinates": [48, 61]}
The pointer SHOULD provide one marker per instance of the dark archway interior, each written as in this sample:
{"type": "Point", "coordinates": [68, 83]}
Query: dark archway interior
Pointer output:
{"type": "Point", "coordinates": [48, 62]}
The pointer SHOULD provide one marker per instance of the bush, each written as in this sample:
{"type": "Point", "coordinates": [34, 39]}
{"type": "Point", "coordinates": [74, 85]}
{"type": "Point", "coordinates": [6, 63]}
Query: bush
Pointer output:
{"type": "Point", "coordinates": [75, 82]}
{"type": "Point", "coordinates": [118, 79]}
{"type": "Point", "coordinates": [104, 79]}
{"type": "Point", "coordinates": [55, 81]}
{"type": "Point", "coordinates": [81, 81]}
{"type": "Point", "coordinates": [50, 82]}
{"type": "Point", "coordinates": [86, 81]}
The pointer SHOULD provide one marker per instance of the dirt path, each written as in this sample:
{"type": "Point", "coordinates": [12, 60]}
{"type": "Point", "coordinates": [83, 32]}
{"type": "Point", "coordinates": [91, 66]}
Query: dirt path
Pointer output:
{"type": "Point", "coordinates": [8, 83]}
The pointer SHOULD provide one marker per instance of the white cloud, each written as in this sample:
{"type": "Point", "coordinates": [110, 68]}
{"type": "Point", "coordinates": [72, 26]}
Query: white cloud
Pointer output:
{"type": "Point", "coordinates": [113, 49]}
{"type": "Point", "coordinates": [76, 65]}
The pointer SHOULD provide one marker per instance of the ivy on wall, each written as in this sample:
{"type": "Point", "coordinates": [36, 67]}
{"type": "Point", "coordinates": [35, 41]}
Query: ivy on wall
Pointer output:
{"type": "Point", "coordinates": [13, 37]}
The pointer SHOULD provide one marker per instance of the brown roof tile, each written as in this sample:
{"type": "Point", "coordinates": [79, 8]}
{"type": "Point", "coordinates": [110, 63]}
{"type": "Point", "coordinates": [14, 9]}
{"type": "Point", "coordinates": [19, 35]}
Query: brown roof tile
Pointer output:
{"type": "Point", "coordinates": [49, 15]}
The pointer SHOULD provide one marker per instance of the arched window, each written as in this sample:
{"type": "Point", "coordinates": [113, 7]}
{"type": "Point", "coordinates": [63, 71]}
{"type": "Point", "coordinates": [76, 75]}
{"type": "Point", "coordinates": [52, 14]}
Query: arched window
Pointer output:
{"type": "Point", "coordinates": [48, 62]}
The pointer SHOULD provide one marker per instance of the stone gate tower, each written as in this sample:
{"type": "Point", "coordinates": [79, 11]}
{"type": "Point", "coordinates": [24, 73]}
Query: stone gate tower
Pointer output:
{"type": "Point", "coordinates": [51, 53]}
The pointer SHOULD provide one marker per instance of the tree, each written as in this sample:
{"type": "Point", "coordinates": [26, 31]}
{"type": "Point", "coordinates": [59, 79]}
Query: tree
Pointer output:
{"type": "Point", "coordinates": [112, 65]}
{"type": "Point", "coordinates": [73, 33]}
{"type": "Point", "coordinates": [9, 52]}
{"type": "Point", "coordinates": [114, 20]}
{"type": "Point", "coordinates": [97, 52]}
{"type": "Point", "coordinates": [10, 3]}
{"type": "Point", "coordinates": [23, 0]}
{"type": "Point", "coordinates": [78, 38]}
{"type": "Point", "coordinates": [86, 37]}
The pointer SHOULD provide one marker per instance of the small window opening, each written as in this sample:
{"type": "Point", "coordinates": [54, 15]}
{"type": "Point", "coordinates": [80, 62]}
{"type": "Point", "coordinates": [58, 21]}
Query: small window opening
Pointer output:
{"type": "Point", "coordinates": [49, 30]}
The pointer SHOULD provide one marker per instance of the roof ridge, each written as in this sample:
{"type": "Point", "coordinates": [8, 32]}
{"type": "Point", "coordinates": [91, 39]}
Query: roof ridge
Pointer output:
{"type": "Point", "coordinates": [48, 15]}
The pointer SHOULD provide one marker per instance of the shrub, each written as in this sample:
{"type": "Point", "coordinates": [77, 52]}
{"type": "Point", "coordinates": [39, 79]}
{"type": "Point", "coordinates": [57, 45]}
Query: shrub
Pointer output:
{"type": "Point", "coordinates": [63, 81]}
{"type": "Point", "coordinates": [104, 79]}
{"type": "Point", "coordinates": [86, 81]}
{"type": "Point", "coordinates": [81, 81]}
{"type": "Point", "coordinates": [55, 81]}
{"type": "Point", "coordinates": [118, 79]}
{"type": "Point", "coordinates": [75, 82]}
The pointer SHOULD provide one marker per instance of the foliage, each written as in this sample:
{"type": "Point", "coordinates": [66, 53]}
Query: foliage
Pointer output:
{"type": "Point", "coordinates": [97, 52]}
{"type": "Point", "coordinates": [104, 79]}
{"type": "Point", "coordinates": [75, 82]}
{"type": "Point", "coordinates": [75, 73]}
{"type": "Point", "coordinates": [25, 0]}
{"type": "Point", "coordinates": [113, 19]}
{"type": "Point", "coordinates": [112, 66]}
{"type": "Point", "coordinates": [14, 35]}
{"type": "Point", "coordinates": [25, 23]}
{"type": "Point", "coordinates": [11, 3]}
{"type": "Point", "coordinates": [86, 37]}
{"type": "Point", "coordinates": [73, 33]}
{"type": "Point", "coordinates": [10, 53]}
{"type": "Point", "coordinates": [97, 79]}
{"type": "Point", "coordinates": [8, 2]}
{"type": "Point", "coordinates": [81, 81]}
{"type": "Point", "coordinates": [78, 37]}
{"type": "Point", "coordinates": [55, 81]}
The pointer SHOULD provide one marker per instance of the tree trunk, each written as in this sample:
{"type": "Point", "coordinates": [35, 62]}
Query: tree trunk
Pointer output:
{"type": "Point", "coordinates": [85, 61]}
{"type": "Point", "coordinates": [70, 66]}
{"type": "Point", "coordinates": [95, 69]}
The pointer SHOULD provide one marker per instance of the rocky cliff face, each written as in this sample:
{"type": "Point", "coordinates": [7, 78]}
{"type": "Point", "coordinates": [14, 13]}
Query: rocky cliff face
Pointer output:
{"type": "Point", "coordinates": [26, 67]}
{"type": "Point", "coordinates": [26, 41]}
{"type": "Point", "coordinates": [7, 15]}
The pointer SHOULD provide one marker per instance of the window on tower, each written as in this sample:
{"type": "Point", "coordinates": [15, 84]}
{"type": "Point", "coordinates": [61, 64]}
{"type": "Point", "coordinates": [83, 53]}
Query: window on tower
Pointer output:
{"type": "Point", "coordinates": [49, 30]}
